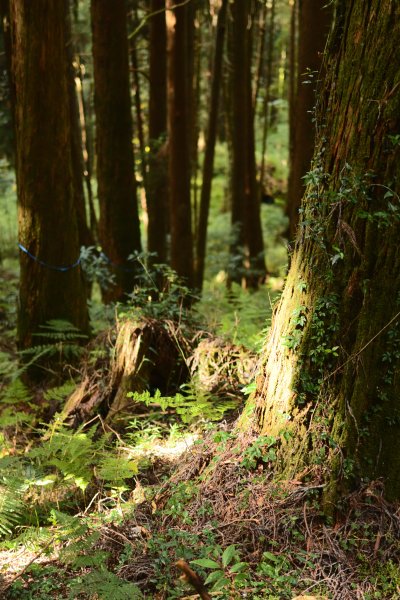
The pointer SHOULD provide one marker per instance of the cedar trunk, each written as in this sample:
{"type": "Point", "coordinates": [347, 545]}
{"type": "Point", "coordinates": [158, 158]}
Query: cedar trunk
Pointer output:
{"type": "Point", "coordinates": [157, 178]}
{"type": "Point", "coordinates": [210, 145]}
{"type": "Point", "coordinates": [238, 82]}
{"type": "Point", "coordinates": [247, 248]}
{"type": "Point", "coordinates": [46, 210]}
{"type": "Point", "coordinates": [314, 21]}
{"type": "Point", "coordinates": [84, 234]}
{"type": "Point", "coordinates": [179, 135]}
{"type": "Point", "coordinates": [329, 387]}
{"type": "Point", "coordinates": [119, 231]}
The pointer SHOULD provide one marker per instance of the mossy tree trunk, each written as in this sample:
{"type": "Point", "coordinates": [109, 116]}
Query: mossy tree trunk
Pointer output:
{"type": "Point", "coordinates": [329, 386]}
{"type": "Point", "coordinates": [119, 231]}
{"type": "Point", "coordinates": [46, 193]}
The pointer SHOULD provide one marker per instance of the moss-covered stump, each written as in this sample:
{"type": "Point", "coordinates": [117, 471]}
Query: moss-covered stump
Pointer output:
{"type": "Point", "coordinates": [144, 355]}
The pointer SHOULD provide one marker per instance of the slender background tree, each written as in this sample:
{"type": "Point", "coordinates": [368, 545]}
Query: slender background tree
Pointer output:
{"type": "Point", "coordinates": [157, 180]}
{"type": "Point", "coordinates": [119, 231]}
{"type": "Point", "coordinates": [314, 19]}
{"type": "Point", "coordinates": [179, 123]}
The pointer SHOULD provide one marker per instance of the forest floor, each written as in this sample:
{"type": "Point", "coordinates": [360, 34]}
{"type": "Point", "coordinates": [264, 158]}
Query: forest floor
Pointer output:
{"type": "Point", "coordinates": [93, 507]}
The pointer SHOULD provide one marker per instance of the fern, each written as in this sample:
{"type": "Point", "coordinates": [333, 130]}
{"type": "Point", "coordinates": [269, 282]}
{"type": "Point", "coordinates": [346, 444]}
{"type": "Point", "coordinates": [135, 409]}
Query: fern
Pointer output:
{"type": "Point", "coordinates": [115, 469]}
{"type": "Point", "coordinates": [7, 364]}
{"type": "Point", "coordinates": [71, 453]}
{"type": "Point", "coordinates": [12, 506]}
{"type": "Point", "coordinates": [195, 405]}
{"type": "Point", "coordinates": [16, 392]}
{"type": "Point", "coordinates": [105, 585]}
{"type": "Point", "coordinates": [63, 340]}
{"type": "Point", "coordinates": [60, 330]}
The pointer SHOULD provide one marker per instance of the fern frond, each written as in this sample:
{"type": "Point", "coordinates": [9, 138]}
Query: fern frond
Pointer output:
{"type": "Point", "coordinates": [115, 469]}
{"type": "Point", "coordinates": [61, 392]}
{"type": "Point", "coordinates": [105, 585]}
{"type": "Point", "coordinates": [11, 504]}
{"type": "Point", "coordinates": [16, 392]}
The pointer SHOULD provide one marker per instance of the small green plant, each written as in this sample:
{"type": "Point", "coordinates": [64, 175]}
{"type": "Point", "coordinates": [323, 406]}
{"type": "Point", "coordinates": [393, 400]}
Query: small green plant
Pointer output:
{"type": "Point", "coordinates": [228, 572]}
{"type": "Point", "coordinates": [262, 450]}
{"type": "Point", "coordinates": [96, 267]}
{"type": "Point", "coordinates": [42, 582]}
{"type": "Point", "coordinates": [159, 293]}
{"type": "Point", "coordinates": [298, 321]}
{"type": "Point", "coordinates": [105, 585]}
{"type": "Point", "coordinates": [277, 574]}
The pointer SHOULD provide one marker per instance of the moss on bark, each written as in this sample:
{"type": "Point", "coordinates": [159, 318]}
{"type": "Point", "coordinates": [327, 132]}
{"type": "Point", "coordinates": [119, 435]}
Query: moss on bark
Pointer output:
{"type": "Point", "coordinates": [329, 386]}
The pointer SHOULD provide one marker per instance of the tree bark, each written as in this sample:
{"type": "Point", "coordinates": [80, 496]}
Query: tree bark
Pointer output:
{"type": "Point", "coordinates": [253, 228]}
{"type": "Point", "coordinates": [314, 21]}
{"type": "Point", "coordinates": [7, 93]}
{"type": "Point", "coordinates": [157, 180]}
{"type": "Point", "coordinates": [84, 234]}
{"type": "Point", "coordinates": [247, 260]}
{"type": "Point", "coordinates": [179, 136]}
{"type": "Point", "coordinates": [138, 99]}
{"type": "Point", "coordinates": [210, 145]}
{"type": "Point", "coordinates": [46, 209]}
{"type": "Point", "coordinates": [238, 81]}
{"type": "Point", "coordinates": [267, 94]}
{"type": "Point", "coordinates": [329, 386]}
{"type": "Point", "coordinates": [119, 231]}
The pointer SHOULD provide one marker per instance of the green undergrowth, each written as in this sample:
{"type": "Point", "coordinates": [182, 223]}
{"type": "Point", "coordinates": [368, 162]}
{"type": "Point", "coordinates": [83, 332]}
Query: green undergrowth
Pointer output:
{"type": "Point", "coordinates": [240, 316]}
{"type": "Point", "coordinates": [99, 512]}
{"type": "Point", "coordinates": [216, 507]}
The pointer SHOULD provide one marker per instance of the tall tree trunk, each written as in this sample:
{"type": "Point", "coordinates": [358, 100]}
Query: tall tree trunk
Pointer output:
{"type": "Point", "coordinates": [7, 144]}
{"type": "Point", "coordinates": [314, 21]}
{"type": "Point", "coordinates": [157, 181]}
{"type": "Point", "coordinates": [51, 283]}
{"type": "Point", "coordinates": [238, 81]}
{"type": "Point", "coordinates": [84, 234]}
{"type": "Point", "coordinates": [87, 150]}
{"type": "Point", "coordinates": [210, 145]}
{"type": "Point", "coordinates": [179, 136]}
{"type": "Point", "coordinates": [260, 54]}
{"type": "Point", "coordinates": [137, 97]}
{"type": "Point", "coordinates": [268, 86]}
{"type": "Point", "coordinates": [246, 234]}
{"type": "Point", "coordinates": [328, 389]}
{"type": "Point", "coordinates": [253, 228]}
{"type": "Point", "coordinates": [119, 231]}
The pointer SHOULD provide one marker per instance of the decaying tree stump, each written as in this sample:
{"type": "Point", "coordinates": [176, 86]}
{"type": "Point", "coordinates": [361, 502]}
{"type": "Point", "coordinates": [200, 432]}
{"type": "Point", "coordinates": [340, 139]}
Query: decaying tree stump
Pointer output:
{"type": "Point", "coordinates": [146, 355]}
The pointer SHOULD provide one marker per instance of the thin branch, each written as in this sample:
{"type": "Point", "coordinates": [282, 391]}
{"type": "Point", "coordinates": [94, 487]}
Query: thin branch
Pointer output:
{"type": "Point", "coordinates": [153, 14]}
